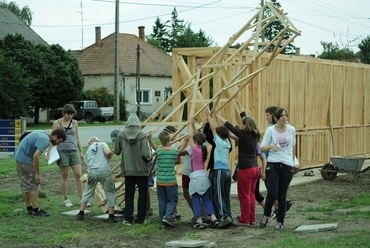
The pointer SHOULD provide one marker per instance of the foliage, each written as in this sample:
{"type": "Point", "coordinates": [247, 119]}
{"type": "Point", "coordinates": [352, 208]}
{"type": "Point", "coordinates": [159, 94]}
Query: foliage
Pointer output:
{"type": "Point", "coordinates": [335, 52]}
{"type": "Point", "coordinates": [15, 103]}
{"type": "Point", "coordinates": [25, 14]}
{"type": "Point", "coordinates": [274, 28]}
{"type": "Point", "coordinates": [105, 98]}
{"type": "Point", "coordinates": [364, 52]}
{"type": "Point", "coordinates": [55, 73]}
{"type": "Point", "coordinates": [177, 33]}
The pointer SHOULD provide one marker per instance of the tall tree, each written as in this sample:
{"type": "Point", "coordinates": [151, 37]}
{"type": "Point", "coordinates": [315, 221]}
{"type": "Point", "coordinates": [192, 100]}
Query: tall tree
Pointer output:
{"type": "Point", "coordinates": [335, 52]}
{"type": "Point", "coordinates": [274, 28]}
{"type": "Point", "coordinates": [24, 13]}
{"type": "Point", "coordinates": [56, 76]}
{"type": "Point", "coordinates": [175, 33]}
{"type": "Point", "coordinates": [364, 52]}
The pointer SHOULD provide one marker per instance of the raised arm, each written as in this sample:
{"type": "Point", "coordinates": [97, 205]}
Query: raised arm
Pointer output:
{"type": "Point", "coordinates": [210, 121]}
{"type": "Point", "coordinates": [151, 143]}
{"type": "Point", "coordinates": [239, 105]}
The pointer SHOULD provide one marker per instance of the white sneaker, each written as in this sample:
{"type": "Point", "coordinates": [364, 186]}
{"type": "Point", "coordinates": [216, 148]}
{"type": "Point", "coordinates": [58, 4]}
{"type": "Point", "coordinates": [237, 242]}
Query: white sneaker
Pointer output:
{"type": "Point", "coordinates": [88, 205]}
{"type": "Point", "coordinates": [272, 216]}
{"type": "Point", "coordinates": [68, 203]}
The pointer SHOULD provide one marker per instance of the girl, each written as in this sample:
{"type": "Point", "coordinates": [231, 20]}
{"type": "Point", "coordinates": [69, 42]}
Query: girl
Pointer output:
{"type": "Point", "coordinates": [279, 141]}
{"type": "Point", "coordinates": [199, 182]}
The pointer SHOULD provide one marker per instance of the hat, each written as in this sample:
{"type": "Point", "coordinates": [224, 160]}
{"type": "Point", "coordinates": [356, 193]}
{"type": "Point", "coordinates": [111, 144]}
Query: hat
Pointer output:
{"type": "Point", "coordinates": [114, 134]}
{"type": "Point", "coordinates": [170, 129]}
{"type": "Point", "coordinates": [92, 139]}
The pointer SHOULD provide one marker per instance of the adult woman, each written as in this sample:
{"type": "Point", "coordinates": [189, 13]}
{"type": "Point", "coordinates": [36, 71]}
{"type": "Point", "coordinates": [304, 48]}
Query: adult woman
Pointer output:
{"type": "Point", "coordinates": [248, 173]}
{"type": "Point", "coordinates": [70, 152]}
{"type": "Point", "coordinates": [279, 140]}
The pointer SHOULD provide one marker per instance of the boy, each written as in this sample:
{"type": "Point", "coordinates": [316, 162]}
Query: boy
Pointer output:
{"type": "Point", "coordinates": [98, 170]}
{"type": "Point", "coordinates": [167, 192]}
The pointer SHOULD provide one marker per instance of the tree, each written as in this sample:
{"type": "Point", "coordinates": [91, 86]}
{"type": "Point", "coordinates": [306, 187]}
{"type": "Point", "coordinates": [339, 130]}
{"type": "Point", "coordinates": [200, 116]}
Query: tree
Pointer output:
{"type": "Point", "coordinates": [14, 103]}
{"type": "Point", "coordinates": [364, 52]}
{"type": "Point", "coordinates": [274, 28]}
{"type": "Point", "coordinates": [57, 79]}
{"type": "Point", "coordinates": [25, 14]}
{"type": "Point", "coordinates": [175, 33]}
{"type": "Point", "coordinates": [335, 52]}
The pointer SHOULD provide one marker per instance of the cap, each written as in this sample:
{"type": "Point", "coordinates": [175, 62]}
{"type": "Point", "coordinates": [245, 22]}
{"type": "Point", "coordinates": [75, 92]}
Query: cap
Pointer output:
{"type": "Point", "coordinates": [114, 134]}
{"type": "Point", "coordinates": [92, 139]}
{"type": "Point", "coordinates": [170, 129]}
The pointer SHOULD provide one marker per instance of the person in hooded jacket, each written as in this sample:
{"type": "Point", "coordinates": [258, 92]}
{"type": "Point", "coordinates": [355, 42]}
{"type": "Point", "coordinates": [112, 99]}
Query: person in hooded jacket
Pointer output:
{"type": "Point", "coordinates": [132, 142]}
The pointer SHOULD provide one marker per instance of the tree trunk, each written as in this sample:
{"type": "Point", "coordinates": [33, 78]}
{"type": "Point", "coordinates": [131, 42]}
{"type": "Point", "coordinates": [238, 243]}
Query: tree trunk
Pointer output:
{"type": "Point", "coordinates": [37, 114]}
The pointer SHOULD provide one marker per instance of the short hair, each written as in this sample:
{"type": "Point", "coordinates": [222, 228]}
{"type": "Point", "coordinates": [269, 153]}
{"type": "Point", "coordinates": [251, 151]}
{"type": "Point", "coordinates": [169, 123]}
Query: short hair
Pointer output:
{"type": "Point", "coordinates": [164, 137]}
{"type": "Point", "coordinates": [92, 139]}
{"type": "Point", "coordinates": [271, 110]}
{"type": "Point", "coordinates": [170, 129]}
{"type": "Point", "coordinates": [114, 134]}
{"type": "Point", "coordinates": [223, 132]}
{"type": "Point", "coordinates": [69, 109]}
{"type": "Point", "coordinates": [60, 133]}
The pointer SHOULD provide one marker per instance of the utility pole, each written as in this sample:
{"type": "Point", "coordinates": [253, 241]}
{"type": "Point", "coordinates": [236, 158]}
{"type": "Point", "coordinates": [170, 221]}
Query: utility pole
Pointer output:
{"type": "Point", "coordinates": [138, 91]}
{"type": "Point", "coordinates": [263, 17]}
{"type": "Point", "coordinates": [116, 65]}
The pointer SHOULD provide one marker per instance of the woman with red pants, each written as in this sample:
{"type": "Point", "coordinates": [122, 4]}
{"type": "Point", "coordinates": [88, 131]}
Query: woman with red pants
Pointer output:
{"type": "Point", "coordinates": [248, 174]}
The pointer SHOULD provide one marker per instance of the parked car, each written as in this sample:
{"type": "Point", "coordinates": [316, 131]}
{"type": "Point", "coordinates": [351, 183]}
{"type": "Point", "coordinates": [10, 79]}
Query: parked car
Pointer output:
{"type": "Point", "coordinates": [89, 111]}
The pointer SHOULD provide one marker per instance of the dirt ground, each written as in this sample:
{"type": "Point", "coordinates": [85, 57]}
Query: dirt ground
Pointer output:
{"type": "Point", "coordinates": [302, 196]}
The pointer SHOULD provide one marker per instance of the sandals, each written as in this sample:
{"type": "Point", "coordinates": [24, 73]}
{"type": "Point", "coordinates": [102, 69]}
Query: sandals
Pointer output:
{"type": "Point", "coordinates": [309, 173]}
{"type": "Point", "coordinates": [199, 226]}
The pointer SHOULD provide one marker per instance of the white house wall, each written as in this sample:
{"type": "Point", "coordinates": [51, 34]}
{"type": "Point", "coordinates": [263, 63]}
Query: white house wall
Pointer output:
{"type": "Point", "coordinates": [151, 84]}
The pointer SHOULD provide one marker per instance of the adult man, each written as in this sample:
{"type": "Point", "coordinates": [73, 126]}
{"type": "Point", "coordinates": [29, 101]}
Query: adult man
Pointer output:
{"type": "Point", "coordinates": [133, 143]}
{"type": "Point", "coordinates": [27, 156]}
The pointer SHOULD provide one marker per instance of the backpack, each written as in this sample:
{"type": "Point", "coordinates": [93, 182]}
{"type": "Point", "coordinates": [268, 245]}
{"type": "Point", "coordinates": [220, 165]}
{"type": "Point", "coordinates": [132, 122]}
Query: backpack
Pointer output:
{"type": "Point", "coordinates": [23, 135]}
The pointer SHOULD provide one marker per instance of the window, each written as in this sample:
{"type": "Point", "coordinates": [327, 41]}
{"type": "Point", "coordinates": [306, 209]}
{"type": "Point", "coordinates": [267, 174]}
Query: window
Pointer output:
{"type": "Point", "coordinates": [157, 93]}
{"type": "Point", "coordinates": [167, 93]}
{"type": "Point", "coordinates": [145, 96]}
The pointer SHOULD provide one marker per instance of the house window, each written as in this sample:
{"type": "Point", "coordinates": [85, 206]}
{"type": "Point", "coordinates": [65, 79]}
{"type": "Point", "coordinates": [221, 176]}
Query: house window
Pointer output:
{"type": "Point", "coordinates": [145, 96]}
{"type": "Point", "coordinates": [167, 93]}
{"type": "Point", "coordinates": [157, 93]}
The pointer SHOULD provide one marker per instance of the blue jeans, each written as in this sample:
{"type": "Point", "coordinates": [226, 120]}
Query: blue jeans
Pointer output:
{"type": "Point", "coordinates": [278, 178]}
{"type": "Point", "coordinates": [167, 199]}
{"type": "Point", "coordinates": [204, 199]}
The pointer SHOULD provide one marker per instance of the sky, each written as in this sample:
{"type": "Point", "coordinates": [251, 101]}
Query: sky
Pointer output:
{"type": "Point", "coordinates": [71, 23]}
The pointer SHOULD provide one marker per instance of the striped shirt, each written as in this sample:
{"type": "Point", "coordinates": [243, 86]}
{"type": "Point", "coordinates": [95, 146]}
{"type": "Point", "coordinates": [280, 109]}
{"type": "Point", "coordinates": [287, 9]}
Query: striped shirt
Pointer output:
{"type": "Point", "coordinates": [166, 175]}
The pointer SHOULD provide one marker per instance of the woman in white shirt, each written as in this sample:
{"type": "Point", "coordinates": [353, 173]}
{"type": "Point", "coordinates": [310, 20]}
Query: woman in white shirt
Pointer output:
{"type": "Point", "coordinates": [279, 140]}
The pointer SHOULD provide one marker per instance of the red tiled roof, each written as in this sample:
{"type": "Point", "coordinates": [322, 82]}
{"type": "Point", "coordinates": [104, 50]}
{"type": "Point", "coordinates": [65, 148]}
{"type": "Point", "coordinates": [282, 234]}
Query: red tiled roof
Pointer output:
{"type": "Point", "coordinates": [95, 60]}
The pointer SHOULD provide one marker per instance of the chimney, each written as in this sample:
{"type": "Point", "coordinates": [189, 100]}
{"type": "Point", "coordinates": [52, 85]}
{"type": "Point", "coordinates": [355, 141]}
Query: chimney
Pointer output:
{"type": "Point", "coordinates": [97, 36]}
{"type": "Point", "coordinates": [141, 32]}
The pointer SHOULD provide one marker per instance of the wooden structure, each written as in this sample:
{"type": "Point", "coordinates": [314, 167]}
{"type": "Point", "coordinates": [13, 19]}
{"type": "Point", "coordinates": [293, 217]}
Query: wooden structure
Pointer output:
{"type": "Point", "coordinates": [327, 100]}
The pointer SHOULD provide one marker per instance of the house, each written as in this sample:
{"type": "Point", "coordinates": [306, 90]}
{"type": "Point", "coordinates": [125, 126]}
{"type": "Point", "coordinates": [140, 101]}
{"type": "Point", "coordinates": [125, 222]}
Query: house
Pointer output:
{"type": "Point", "coordinates": [11, 24]}
{"type": "Point", "coordinates": [97, 65]}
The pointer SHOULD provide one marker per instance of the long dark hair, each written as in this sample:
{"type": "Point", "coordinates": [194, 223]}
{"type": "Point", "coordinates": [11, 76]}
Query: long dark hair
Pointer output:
{"type": "Point", "coordinates": [200, 139]}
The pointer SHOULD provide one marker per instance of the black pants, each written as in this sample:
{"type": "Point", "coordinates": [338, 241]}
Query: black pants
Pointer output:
{"type": "Point", "coordinates": [278, 178]}
{"type": "Point", "coordinates": [130, 187]}
{"type": "Point", "coordinates": [220, 192]}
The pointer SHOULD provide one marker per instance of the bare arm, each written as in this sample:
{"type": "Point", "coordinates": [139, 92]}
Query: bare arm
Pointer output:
{"type": "Point", "coordinates": [36, 165]}
{"type": "Point", "coordinates": [238, 104]}
{"type": "Point", "coordinates": [78, 141]}
{"type": "Point", "coordinates": [263, 165]}
{"type": "Point", "coordinates": [210, 121]}
{"type": "Point", "coordinates": [151, 143]}
{"type": "Point", "coordinates": [55, 126]}
{"type": "Point", "coordinates": [191, 130]}
{"type": "Point", "coordinates": [107, 152]}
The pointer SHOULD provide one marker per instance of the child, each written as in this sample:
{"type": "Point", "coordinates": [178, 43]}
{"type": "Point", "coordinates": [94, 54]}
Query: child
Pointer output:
{"type": "Point", "coordinates": [221, 177]}
{"type": "Point", "coordinates": [167, 193]}
{"type": "Point", "coordinates": [98, 170]}
{"type": "Point", "coordinates": [199, 182]}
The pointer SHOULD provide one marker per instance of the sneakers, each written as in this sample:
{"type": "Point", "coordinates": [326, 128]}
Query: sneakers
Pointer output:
{"type": "Point", "coordinates": [41, 213]}
{"type": "Point", "coordinates": [167, 223]}
{"type": "Point", "coordinates": [112, 219]}
{"type": "Point", "coordinates": [80, 217]}
{"type": "Point", "coordinates": [264, 221]}
{"type": "Point", "coordinates": [68, 203]}
{"type": "Point", "coordinates": [278, 226]}
{"type": "Point", "coordinates": [214, 223]}
{"type": "Point", "coordinates": [125, 222]}
{"type": "Point", "coordinates": [177, 216]}
{"type": "Point", "coordinates": [238, 223]}
{"type": "Point", "coordinates": [145, 222]}
{"type": "Point", "coordinates": [272, 216]}
{"type": "Point", "coordinates": [225, 222]}
{"type": "Point", "coordinates": [149, 212]}
{"type": "Point", "coordinates": [88, 205]}
{"type": "Point", "coordinates": [29, 212]}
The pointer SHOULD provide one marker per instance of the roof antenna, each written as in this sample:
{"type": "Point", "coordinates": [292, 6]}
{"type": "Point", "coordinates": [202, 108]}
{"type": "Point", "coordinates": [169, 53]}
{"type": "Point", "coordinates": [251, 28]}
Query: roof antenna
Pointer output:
{"type": "Point", "coordinates": [82, 27]}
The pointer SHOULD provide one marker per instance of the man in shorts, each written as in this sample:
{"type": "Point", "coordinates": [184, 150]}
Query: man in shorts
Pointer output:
{"type": "Point", "coordinates": [27, 156]}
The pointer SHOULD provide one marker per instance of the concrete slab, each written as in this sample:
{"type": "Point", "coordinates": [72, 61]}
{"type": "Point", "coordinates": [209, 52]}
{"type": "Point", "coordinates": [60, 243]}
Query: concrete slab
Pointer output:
{"type": "Point", "coordinates": [317, 227]}
{"type": "Point", "coordinates": [190, 243]}
{"type": "Point", "coordinates": [75, 212]}
{"type": "Point", "coordinates": [105, 216]}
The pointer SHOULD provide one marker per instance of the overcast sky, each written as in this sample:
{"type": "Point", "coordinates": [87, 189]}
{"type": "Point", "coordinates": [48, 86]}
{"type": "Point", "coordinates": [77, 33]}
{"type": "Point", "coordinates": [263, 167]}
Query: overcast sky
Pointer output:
{"type": "Point", "coordinates": [73, 27]}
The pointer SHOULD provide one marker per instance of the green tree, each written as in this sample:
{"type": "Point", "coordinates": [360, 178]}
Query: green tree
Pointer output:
{"type": "Point", "coordinates": [176, 33]}
{"type": "Point", "coordinates": [364, 52]}
{"type": "Point", "coordinates": [57, 79]}
{"type": "Point", "coordinates": [25, 14]}
{"type": "Point", "coordinates": [335, 52]}
{"type": "Point", "coordinates": [14, 103]}
{"type": "Point", "coordinates": [274, 28]}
